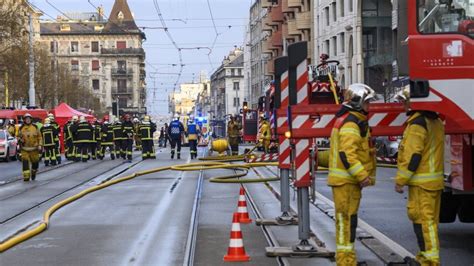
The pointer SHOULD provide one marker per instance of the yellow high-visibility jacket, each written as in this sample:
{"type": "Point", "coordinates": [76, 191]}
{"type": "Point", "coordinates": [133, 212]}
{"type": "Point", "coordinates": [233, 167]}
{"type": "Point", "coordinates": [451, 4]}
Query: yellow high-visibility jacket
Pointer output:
{"type": "Point", "coordinates": [30, 137]}
{"type": "Point", "coordinates": [351, 157]}
{"type": "Point", "coordinates": [421, 152]}
{"type": "Point", "coordinates": [265, 133]}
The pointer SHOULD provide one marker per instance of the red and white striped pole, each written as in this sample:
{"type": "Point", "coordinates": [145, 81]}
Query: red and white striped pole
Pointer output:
{"type": "Point", "coordinates": [298, 94]}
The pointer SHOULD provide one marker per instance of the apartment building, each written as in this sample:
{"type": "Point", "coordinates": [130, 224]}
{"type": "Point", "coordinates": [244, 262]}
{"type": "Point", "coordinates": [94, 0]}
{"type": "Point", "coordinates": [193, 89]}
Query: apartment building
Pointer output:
{"type": "Point", "coordinates": [103, 55]}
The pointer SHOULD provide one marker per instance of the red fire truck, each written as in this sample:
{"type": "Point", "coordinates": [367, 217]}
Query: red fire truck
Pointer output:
{"type": "Point", "coordinates": [441, 79]}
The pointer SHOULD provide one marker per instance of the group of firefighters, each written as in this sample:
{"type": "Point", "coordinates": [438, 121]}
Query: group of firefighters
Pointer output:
{"type": "Point", "coordinates": [352, 167]}
{"type": "Point", "coordinates": [352, 164]}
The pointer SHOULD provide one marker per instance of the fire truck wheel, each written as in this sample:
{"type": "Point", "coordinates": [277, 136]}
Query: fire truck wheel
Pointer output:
{"type": "Point", "coordinates": [466, 209]}
{"type": "Point", "coordinates": [449, 207]}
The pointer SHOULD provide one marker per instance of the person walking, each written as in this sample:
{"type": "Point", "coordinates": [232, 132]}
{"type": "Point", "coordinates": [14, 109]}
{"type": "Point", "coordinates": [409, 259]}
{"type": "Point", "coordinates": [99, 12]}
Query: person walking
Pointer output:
{"type": "Point", "coordinates": [49, 133]}
{"type": "Point", "coordinates": [119, 137]}
{"type": "Point", "coordinates": [57, 143]}
{"type": "Point", "coordinates": [265, 134]}
{"type": "Point", "coordinates": [96, 140]}
{"type": "Point", "coordinates": [166, 135]}
{"type": "Point", "coordinates": [31, 144]}
{"type": "Point", "coordinates": [192, 133]}
{"type": "Point", "coordinates": [421, 168]}
{"type": "Point", "coordinates": [233, 134]}
{"type": "Point", "coordinates": [351, 166]}
{"type": "Point", "coordinates": [145, 133]}
{"type": "Point", "coordinates": [175, 132]}
{"type": "Point", "coordinates": [107, 140]}
{"type": "Point", "coordinates": [83, 132]}
{"type": "Point", "coordinates": [127, 142]}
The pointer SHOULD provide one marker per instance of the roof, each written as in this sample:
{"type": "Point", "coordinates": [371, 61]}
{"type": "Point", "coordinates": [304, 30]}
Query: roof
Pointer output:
{"type": "Point", "coordinates": [65, 111]}
{"type": "Point", "coordinates": [120, 21]}
{"type": "Point", "coordinates": [237, 62]}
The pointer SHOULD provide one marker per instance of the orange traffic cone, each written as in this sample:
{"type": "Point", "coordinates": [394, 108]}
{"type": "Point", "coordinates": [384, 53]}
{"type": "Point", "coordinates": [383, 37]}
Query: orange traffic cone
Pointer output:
{"type": "Point", "coordinates": [242, 208]}
{"type": "Point", "coordinates": [236, 250]}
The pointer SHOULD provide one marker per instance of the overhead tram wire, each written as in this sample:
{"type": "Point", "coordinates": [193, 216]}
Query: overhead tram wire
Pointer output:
{"type": "Point", "coordinates": [170, 37]}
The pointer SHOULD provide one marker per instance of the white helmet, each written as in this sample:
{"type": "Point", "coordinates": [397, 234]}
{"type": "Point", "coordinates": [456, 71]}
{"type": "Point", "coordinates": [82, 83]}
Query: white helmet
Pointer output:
{"type": "Point", "coordinates": [82, 119]}
{"type": "Point", "coordinates": [403, 95]}
{"type": "Point", "coordinates": [356, 94]}
{"type": "Point", "coordinates": [75, 118]}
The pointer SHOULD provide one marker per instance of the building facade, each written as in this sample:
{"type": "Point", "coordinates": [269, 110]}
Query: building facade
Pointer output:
{"type": "Point", "coordinates": [273, 26]}
{"type": "Point", "coordinates": [184, 101]}
{"type": "Point", "coordinates": [103, 55]}
{"type": "Point", "coordinates": [228, 86]}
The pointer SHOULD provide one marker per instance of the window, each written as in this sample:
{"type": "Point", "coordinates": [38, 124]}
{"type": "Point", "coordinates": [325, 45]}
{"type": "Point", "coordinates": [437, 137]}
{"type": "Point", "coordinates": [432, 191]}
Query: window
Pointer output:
{"type": "Point", "coordinates": [341, 7]}
{"type": "Point", "coordinates": [236, 86]}
{"type": "Point", "coordinates": [236, 101]}
{"type": "Point", "coordinates": [342, 42]}
{"type": "Point", "coordinates": [75, 65]}
{"type": "Point", "coordinates": [326, 47]}
{"type": "Point", "coordinates": [95, 65]}
{"type": "Point", "coordinates": [122, 102]}
{"type": "Point", "coordinates": [122, 66]}
{"type": "Point", "coordinates": [334, 45]}
{"type": "Point", "coordinates": [121, 44]}
{"type": "Point", "coordinates": [334, 13]}
{"type": "Point", "coordinates": [122, 86]}
{"type": "Point", "coordinates": [96, 84]}
{"type": "Point", "coordinates": [53, 47]}
{"type": "Point", "coordinates": [95, 47]}
{"type": "Point", "coordinates": [326, 13]}
{"type": "Point", "coordinates": [74, 47]}
{"type": "Point", "coordinates": [351, 5]}
{"type": "Point", "coordinates": [369, 8]}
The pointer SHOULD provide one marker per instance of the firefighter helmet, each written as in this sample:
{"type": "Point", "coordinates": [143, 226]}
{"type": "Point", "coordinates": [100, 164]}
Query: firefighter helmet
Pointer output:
{"type": "Point", "coordinates": [356, 94]}
{"type": "Point", "coordinates": [27, 115]}
{"type": "Point", "coordinates": [75, 118]}
{"type": "Point", "coordinates": [47, 121]}
{"type": "Point", "coordinates": [403, 95]}
{"type": "Point", "coordinates": [82, 119]}
{"type": "Point", "coordinates": [146, 118]}
{"type": "Point", "coordinates": [135, 120]}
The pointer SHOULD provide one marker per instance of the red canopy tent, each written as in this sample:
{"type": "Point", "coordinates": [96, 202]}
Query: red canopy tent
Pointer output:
{"type": "Point", "coordinates": [64, 113]}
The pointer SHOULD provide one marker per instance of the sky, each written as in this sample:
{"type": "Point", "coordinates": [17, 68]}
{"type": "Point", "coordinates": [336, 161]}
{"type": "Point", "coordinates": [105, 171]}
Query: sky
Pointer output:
{"type": "Point", "coordinates": [190, 26]}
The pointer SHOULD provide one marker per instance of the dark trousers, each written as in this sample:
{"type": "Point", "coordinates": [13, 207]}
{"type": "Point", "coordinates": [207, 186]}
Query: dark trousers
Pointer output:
{"type": "Point", "coordinates": [118, 149]}
{"type": "Point", "coordinates": [127, 146]}
{"type": "Point", "coordinates": [58, 151]}
{"type": "Point", "coordinates": [111, 150]}
{"type": "Point", "coordinates": [166, 139]}
{"type": "Point", "coordinates": [95, 150]}
{"type": "Point", "coordinates": [49, 155]}
{"type": "Point", "coordinates": [83, 151]}
{"type": "Point", "coordinates": [193, 148]}
{"type": "Point", "coordinates": [148, 149]}
{"type": "Point", "coordinates": [69, 149]}
{"type": "Point", "coordinates": [174, 143]}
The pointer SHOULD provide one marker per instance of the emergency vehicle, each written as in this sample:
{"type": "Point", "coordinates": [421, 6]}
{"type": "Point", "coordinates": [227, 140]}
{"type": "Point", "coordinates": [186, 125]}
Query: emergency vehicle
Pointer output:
{"type": "Point", "coordinates": [249, 124]}
{"type": "Point", "coordinates": [440, 71]}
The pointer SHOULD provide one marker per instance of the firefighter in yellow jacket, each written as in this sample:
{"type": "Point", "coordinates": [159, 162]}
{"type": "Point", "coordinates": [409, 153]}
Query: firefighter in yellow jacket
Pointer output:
{"type": "Point", "coordinates": [265, 133]}
{"type": "Point", "coordinates": [31, 144]}
{"type": "Point", "coordinates": [351, 166]}
{"type": "Point", "coordinates": [420, 167]}
{"type": "Point", "coordinates": [233, 134]}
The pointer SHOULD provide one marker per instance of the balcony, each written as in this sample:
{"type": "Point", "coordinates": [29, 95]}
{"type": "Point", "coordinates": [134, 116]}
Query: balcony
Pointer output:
{"type": "Point", "coordinates": [126, 51]}
{"type": "Point", "coordinates": [266, 3]}
{"type": "Point", "coordinates": [122, 72]}
{"type": "Point", "coordinates": [122, 91]}
{"type": "Point", "coordinates": [266, 47]}
{"type": "Point", "coordinates": [277, 40]}
{"type": "Point", "coordinates": [292, 29]}
{"type": "Point", "coordinates": [266, 24]}
{"type": "Point", "coordinates": [295, 3]}
{"type": "Point", "coordinates": [303, 20]}
{"type": "Point", "coordinates": [285, 8]}
{"type": "Point", "coordinates": [270, 67]}
{"type": "Point", "coordinates": [277, 15]}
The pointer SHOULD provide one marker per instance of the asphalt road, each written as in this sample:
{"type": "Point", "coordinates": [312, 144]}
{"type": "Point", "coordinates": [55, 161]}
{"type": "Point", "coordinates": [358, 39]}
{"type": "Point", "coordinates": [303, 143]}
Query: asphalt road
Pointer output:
{"type": "Point", "coordinates": [385, 210]}
{"type": "Point", "coordinates": [12, 170]}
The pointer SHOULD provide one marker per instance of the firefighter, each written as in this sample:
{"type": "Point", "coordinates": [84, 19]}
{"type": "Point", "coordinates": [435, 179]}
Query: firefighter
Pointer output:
{"type": "Point", "coordinates": [192, 133]}
{"type": "Point", "coordinates": [420, 167]}
{"type": "Point", "coordinates": [68, 139]}
{"type": "Point", "coordinates": [118, 138]}
{"type": "Point", "coordinates": [57, 144]}
{"type": "Point", "coordinates": [75, 152]}
{"type": "Point", "coordinates": [351, 166]}
{"type": "Point", "coordinates": [83, 133]}
{"type": "Point", "coordinates": [127, 143]}
{"type": "Point", "coordinates": [233, 134]}
{"type": "Point", "coordinates": [31, 145]}
{"type": "Point", "coordinates": [175, 132]}
{"type": "Point", "coordinates": [49, 134]}
{"type": "Point", "coordinates": [265, 134]}
{"type": "Point", "coordinates": [107, 140]}
{"type": "Point", "coordinates": [145, 134]}
{"type": "Point", "coordinates": [166, 135]}
{"type": "Point", "coordinates": [136, 128]}
{"type": "Point", "coordinates": [96, 139]}
{"type": "Point", "coordinates": [11, 128]}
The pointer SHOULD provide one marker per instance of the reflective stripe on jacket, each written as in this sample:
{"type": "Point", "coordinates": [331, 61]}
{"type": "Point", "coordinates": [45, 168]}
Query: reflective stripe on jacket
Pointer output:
{"type": "Point", "coordinates": [351, 157]}
{"type": "Point", "coordinates": [421, 152]}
